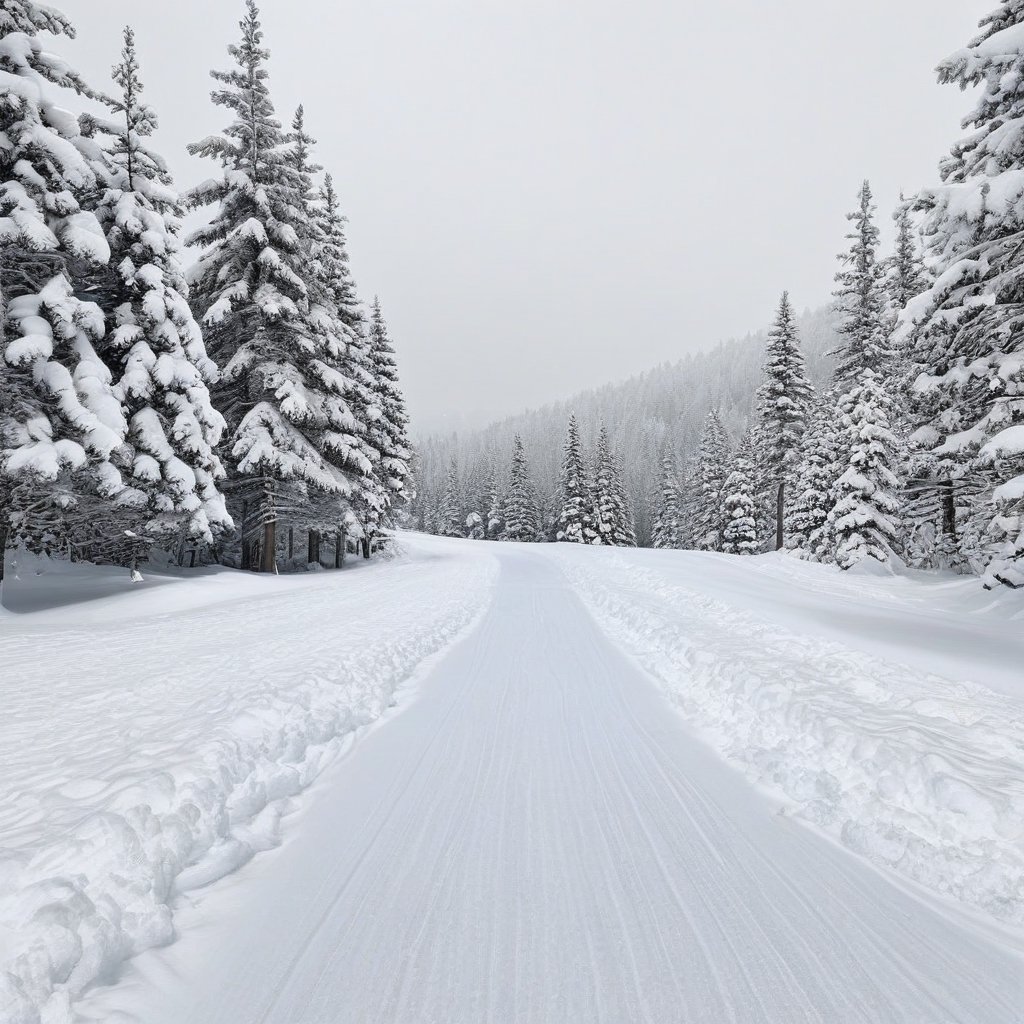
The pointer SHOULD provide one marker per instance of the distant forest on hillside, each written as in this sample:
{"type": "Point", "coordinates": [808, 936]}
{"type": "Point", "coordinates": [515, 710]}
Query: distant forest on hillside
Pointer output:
{"type": "Point", "coordinates": [668, 403]}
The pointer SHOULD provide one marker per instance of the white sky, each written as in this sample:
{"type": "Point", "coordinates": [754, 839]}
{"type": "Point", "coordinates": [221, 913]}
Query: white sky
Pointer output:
{"type": "Point", "coordinates": [552, 194]}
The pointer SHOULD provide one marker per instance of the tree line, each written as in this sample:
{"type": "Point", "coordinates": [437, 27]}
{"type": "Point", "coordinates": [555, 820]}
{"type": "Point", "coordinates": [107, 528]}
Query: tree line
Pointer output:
{"type": "Point", "coordinates": [912, 449]}
{"type": "Point", "coordinates": [590, 507]}
{"type": "Point", "coordinates": [218, 412]}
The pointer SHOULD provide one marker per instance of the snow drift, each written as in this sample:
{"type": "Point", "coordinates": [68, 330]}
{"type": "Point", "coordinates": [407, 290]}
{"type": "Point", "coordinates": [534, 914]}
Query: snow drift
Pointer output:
{"type": "Point", "coordinates": [915, 771]}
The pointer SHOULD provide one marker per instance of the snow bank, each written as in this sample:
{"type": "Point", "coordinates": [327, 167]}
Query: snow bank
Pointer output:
{"type": "Point", "coordinates": [914, 771]}
{"type": "Point", "coordinates": [151, 749]}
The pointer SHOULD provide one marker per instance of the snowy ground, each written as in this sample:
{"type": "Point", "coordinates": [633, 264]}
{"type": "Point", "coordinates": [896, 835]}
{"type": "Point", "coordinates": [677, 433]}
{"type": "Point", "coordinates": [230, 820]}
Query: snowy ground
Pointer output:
{"type": "Point", "coordinates": [889, 712]}
{"type": "Point", "coordinates": [151, 736]}
{"type": "Point", "coordinates": [535, 833]}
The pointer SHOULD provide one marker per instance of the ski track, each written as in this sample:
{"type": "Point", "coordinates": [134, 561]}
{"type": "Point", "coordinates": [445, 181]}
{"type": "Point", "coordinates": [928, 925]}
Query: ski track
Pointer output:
{"type": "Point", "coordinates": [538, 838]}
{"type": "Point", "coordinates": [151, 754]}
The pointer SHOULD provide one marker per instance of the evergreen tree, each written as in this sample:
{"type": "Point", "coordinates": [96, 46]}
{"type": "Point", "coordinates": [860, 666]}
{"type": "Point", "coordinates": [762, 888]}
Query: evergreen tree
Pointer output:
{"type": "Point", "coordinates": [963, 334]}
{"type": "Point", "coordinates": [345, 436]}
{"type": "Point", "coordinates": [864, 518]}
{"type": "Point", "coordinates": [392, 428]}
{"type": "Point", "coordinates": [861, 298]}
{"type": "Point", "coordinates": [603, 501]}
{"type": "Point", "coordinates": [521, 520]}
{"type": "Point", "coordinates": [782, 402]}
{"type": "Point", "coordinates": [475, 526]}
{"type": "Point", "coordinates": [906, 277]}
{"type": "Point", "coordinates": [495, 524]}
{"type": "Point", "coordinates": [706, 498]}
{"type": "Point", "coordinates": [252, 291]}
{"type": "Point", "coordinates": [575, 524]}
{"type": "Point", "coordinates": [476, 498]}
{"type": "Point", "coordinates": [549, 511]}
{"type": "Point", "coordinates": [154, 346]}
{"type": "Point", "coordinates": [739, 535]}
{"type": "Point", "coordinates": [60, 422]}
{"type": "Point", "coordinates": [668, 522]}
{"type": "Point", "coordinates": [817, 472]}
{"type": "Point", "coordinates": [624, 534]}
{"type": "Point", "coordinates": [451, 522]}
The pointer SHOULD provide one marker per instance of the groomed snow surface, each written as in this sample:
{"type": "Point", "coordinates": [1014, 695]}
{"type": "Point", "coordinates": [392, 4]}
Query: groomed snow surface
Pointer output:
{"type": "Point", "coordinates": [552, 825]}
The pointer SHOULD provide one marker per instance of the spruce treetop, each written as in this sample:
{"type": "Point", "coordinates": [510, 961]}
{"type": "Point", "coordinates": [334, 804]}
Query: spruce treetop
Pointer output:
{"type": "Point", "coordinates": [259, 196]}
{"type": "Point", "coordinates": [860, 296]}
{"type": "Point", "coordinates": [785, 394]}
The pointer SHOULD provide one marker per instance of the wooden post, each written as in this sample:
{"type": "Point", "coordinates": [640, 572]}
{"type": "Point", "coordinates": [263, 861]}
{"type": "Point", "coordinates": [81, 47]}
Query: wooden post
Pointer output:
{"type": "Point", "coordinates": [779, 516]}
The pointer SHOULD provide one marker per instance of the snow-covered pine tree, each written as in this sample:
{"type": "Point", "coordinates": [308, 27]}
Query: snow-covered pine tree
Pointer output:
{"type": "Point", "coordinates": [474, 528]}
{"type": "Point", "coordinates": [451, 520]}
{"type": "Point", "coordinates": [602, 491]}
{"type": "Point", "coordinates": [391, 437]}
{"type": "Point", "coordinates": [812, 496]}
{"type": "Point", "coordinates": [782, 399]}
{"type": "Point", "coordinates": [475, 498]}
{"type": "Point", "coordinates": [706, 518]}
{"type": "Point", "coordinates": [861, 298]}
{"type": "Point", "coordinates": [251, 289]}
{"type": "Point", "coordinates": [153, 345]}
{"type": "Point", "coordinates": [864, 520]}
{"type": "Point", "coordinates": [60, 421]}
{"type": "Point", "coordinates": [520, 513]}
{"type": "Point", "coordinates": [348, 437]}
{"type": "Point", "coordinates": [549, 510]}
{"type": "Point", "coordinates": [495, 523]}
{"type": "Point", "coordinates": [624, 535]}
{"type": "Point", "coordinates": [905, 273]}
{"type": "Point", "coordinates": [739, 535]}
{"type": "Point", "coordinates": [668, 521]}
{"type": "Point", "coordinates": [964, 334]}
{"type": "Point", "coordinates": [575, 524]}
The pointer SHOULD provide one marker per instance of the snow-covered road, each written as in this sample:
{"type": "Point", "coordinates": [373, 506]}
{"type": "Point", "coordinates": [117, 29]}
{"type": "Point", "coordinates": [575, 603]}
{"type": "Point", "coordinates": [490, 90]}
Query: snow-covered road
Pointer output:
{"type": "Point", "coordinates": [537, 837]}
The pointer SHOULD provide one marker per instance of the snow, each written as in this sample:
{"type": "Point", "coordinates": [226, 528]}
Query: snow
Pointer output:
{"type": "Point", "coordinates": [549, 830]}
{"type": "Point", "coordinates": [919, 770]}
{"type": "Point", "coordinates": [538, 837]}
{"type": "Point", "coordinates": [152, 748]}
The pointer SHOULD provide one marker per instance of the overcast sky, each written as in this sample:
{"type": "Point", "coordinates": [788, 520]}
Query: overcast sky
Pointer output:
{"type": "Point", "coordinates": [552, 194]}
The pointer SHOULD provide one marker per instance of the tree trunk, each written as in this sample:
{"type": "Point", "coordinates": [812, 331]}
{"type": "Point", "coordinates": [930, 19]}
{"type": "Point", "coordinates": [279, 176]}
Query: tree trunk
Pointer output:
{"type": "Point", "coordinates": [291, 542]}
{"type": "Point", "coordinates": [780, 515]}
{"type": "Point", "coordinates": [339, 549]}
{"type": "Point", "coordinates": [3, 546]}
{"type": "Point", "coordinates": [313, 547]}
{"type": "Point", "coordinates": [948, 510]}
{"type": "Point", "coordinates": [269, 561]}
{"type": "Point", "coordinates": [365, 542]}
{"type": "Point", "coordinates": [246, 561]}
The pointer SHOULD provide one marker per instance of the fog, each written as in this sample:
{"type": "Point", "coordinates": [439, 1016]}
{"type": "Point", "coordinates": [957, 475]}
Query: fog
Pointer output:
{"type": "Point", "coordinates": [548, 196]}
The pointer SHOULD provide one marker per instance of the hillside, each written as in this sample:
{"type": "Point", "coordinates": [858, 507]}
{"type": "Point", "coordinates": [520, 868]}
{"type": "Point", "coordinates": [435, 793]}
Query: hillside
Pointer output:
{"type": "Point", "coordinates": [668, 402]}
